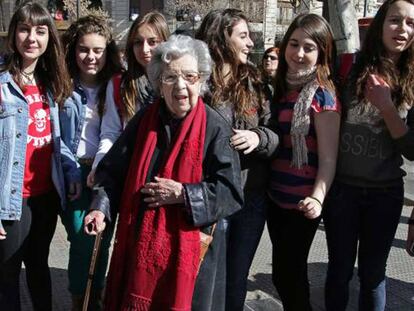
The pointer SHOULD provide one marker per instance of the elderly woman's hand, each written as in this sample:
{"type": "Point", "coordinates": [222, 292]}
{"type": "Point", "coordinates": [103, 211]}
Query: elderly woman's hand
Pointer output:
{"type": "Point", "coordinates": [244, 140]}
{"type": "Point", "coordinates": [163, 192]}
{"type": "Point", "coordinates": [94, 222]}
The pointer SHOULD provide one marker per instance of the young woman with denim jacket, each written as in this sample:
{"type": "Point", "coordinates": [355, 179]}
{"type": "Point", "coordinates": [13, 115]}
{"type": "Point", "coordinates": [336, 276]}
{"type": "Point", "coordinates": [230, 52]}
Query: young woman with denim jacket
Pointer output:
{"type": "Point", "coordinates": [130, 92]}
{"type": "Point", "coordinates": [35, 163]}
{"type": "Point", "coordinates": [364, 205]}
{"type": "Point", "coordinates": [92, 58]}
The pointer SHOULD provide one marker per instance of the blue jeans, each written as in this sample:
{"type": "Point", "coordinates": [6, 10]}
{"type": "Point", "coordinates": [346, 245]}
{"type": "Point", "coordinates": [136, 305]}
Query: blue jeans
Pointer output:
{"type": "Point", "coordinates": [245, 230]}
{"type": "Point", "coordinates": [359, 221]}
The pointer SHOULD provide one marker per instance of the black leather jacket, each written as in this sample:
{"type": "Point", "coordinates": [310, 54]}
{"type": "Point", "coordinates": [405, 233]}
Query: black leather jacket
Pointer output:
{"type": "Point", "coordinates": [217, 196]}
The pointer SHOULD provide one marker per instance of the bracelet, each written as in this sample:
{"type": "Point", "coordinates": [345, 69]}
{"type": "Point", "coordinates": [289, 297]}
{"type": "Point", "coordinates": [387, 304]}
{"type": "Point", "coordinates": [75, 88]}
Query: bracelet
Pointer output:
{"type": "Point", "coordinates": [410, 221]}
{"type": "Point", "coordinates": [315, 199]}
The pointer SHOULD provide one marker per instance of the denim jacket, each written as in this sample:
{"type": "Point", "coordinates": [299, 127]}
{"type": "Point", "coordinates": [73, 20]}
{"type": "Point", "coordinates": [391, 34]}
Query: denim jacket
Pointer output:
{"type": "Point", "coordinates": [14, 116]}
{"type": "Point", "coordinates": [72, 118]}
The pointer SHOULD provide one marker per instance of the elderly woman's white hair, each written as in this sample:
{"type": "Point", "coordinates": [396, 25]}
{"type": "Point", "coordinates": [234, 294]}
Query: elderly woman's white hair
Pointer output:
{"type": "Point", "coordinates": [175, 47]}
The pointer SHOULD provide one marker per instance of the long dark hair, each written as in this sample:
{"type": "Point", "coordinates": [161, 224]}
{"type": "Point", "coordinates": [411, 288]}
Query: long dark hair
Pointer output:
{"type": "Point", "coordinates": [373, 59]}
{"type": "Point", "coordinates": [129, 91]}
{"type": "Point", "coordinates": [318, 29]}
{"type": "Point", "coordinates": [51, 68]}
{"type": "Point", "coordinates": [93, 25]}
{"type": "Point", "coordinates": [216, 30]}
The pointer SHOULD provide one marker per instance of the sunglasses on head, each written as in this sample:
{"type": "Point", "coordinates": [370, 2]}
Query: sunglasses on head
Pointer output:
{"type": "Point", "coordinates": [272, 57]}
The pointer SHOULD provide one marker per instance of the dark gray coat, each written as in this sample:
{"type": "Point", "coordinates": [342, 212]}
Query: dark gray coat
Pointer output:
{"type": "Point", "coordinates": [217, 196]}
{"type": "Point", "coordinates": [255, 166]}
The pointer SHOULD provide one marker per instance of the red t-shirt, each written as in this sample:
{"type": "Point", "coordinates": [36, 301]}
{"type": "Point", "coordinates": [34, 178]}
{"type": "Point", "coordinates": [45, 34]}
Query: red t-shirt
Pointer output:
{"type": "Point", "coordinates": [38, 168]}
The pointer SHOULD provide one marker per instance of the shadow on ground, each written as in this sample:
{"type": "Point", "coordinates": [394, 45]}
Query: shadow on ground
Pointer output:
{"type": "Point", "coordinates": [400, 295]}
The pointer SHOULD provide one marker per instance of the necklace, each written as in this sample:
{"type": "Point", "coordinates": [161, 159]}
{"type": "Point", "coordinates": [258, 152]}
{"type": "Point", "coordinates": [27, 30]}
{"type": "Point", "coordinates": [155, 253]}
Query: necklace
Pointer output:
{"type": "Point", "coordinates": [28, 77]}
{"type": "Point", "coordinates": [30, 73]}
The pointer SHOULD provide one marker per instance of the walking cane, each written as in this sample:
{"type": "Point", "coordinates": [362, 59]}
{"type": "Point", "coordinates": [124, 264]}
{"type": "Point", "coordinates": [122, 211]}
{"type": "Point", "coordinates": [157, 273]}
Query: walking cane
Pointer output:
{"type": "Point", "coordinates": [91, 273]}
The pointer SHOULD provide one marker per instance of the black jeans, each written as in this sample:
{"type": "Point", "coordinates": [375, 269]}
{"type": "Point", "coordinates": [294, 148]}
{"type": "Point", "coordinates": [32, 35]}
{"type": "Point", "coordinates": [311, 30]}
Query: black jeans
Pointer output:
{"type": "Point", "coordinates": [28, 240]}
{"type": "Point", "coordinates": [291, 234]}
{"type": "Point", "coordinates": [359, 222]}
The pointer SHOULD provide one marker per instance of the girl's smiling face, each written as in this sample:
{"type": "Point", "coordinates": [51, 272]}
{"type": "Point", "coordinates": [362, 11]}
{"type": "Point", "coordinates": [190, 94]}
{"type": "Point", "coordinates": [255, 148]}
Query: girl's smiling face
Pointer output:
{"type": "Point", "coordinates": [301, 52]}
{"type": "Point", "coordinates": [240, 41]}
{"type": "Point", "coordinates": [90, 55]}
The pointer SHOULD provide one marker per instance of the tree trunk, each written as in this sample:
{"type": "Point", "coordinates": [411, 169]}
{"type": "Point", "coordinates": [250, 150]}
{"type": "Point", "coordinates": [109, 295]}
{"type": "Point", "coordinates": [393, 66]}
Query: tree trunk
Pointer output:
{"type": "Point", "coordinates": [344, 22]}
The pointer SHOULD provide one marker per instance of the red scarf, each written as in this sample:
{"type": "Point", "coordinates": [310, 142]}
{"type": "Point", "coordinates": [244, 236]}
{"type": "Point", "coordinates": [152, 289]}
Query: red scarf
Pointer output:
{"type": "Point", "coordinates": [154, 263]}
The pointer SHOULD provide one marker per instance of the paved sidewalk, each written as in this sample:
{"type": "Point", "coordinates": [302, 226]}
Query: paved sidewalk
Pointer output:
{"type": "Point", "coordinates": [400, 271]}
{"type": "Point", "coordinates": [262, 295]}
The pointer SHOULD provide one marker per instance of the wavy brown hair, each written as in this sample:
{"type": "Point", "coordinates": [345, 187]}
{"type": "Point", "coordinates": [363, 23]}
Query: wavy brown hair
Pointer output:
{"type": "Point", "coordinates": [129, 91]}
{"type": "Point", "coordinates": [51, 68]}
{"type": "Point", "coordinates": [373, 59]}
{"type": "Point", "coordinates": [92, 24]}
{"type": "Point", "coordinates": [243, 87]}
{"type": "Point", "coordinates": [317, 29]}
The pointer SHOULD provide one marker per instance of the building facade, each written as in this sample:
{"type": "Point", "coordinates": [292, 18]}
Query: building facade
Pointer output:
{"type": "Point", "coordinates": [270, 18]}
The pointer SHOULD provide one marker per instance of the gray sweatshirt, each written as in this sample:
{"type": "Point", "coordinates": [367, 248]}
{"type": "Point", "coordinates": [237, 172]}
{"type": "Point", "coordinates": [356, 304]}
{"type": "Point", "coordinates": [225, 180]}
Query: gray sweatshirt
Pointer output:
{"type": "Point", "coordinates": [368, 155]}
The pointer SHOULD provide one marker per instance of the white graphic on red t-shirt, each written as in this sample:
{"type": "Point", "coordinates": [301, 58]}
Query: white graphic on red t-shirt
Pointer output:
{"type": "Point", "coordinates": [39, 121]}
{"type": "Point", "coordinates": [40, 117]}
{"type": "Point", "coordinates": [38, 164]}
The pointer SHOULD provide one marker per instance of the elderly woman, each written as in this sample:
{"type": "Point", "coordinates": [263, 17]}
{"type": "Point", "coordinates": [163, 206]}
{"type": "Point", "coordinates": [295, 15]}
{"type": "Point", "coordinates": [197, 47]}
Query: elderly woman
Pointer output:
{"type": "Point", "coordinates": [173, 174]}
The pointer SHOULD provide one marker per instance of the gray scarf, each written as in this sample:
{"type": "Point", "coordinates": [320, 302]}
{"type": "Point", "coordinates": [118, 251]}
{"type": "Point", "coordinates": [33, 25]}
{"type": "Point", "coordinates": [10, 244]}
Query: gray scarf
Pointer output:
{"type": "Point", "coordinates": [301, 113]}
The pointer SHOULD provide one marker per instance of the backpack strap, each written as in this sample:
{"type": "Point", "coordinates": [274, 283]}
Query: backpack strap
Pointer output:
{"type": "Point", "coordinates": [345, 65]}
{"type": "Point", "coordinates": [116, 81]}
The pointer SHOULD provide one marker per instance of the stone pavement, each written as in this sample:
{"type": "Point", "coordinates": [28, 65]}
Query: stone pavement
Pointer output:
{"type": "Point", "coordinates": [400, 271]}
{"type": "Point", "coordinates": [262, 295]}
